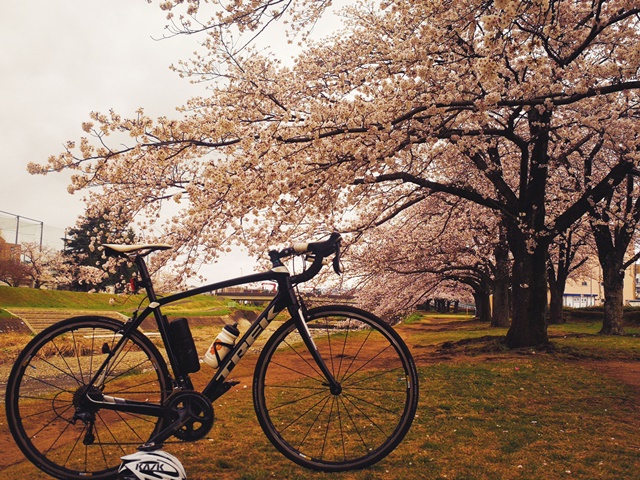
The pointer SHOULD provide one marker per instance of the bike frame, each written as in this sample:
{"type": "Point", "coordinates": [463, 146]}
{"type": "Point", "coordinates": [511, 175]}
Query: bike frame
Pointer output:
{"type": "Point", "coordinates": [285, 298]}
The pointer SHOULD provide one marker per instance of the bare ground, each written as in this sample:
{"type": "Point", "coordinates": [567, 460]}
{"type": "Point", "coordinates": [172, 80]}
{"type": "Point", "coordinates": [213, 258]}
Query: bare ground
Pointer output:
{"type": "Point", "coordinates": [471, 350]}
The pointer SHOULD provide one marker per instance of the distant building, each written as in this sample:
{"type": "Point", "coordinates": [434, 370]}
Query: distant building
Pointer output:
{"type": "Point", "coordinates": [9, 251]}
{"type": "Point", "coordinates": [15, 251]}
{"type": "Point", "coordinates": [588, 291]}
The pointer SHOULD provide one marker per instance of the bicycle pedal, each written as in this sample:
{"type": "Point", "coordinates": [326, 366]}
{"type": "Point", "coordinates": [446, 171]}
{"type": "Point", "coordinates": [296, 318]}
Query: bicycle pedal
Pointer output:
{"type": "Point", "coordinates": [224, 388]}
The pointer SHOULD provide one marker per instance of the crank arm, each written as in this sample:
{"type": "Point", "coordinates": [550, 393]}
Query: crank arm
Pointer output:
{"type": "Point", "coordinates": [159, 438]}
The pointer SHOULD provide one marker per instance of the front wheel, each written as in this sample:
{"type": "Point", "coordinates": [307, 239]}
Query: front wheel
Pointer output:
{"type": "Point", "coordinates": [344, 429]}
{"type": "Point", "coordinates": [49, 414]}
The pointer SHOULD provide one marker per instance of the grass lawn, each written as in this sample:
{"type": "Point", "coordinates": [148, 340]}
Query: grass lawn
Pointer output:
{"type": "Point", "coordinates": [485, 412]}
{"type": "Point", "coordinates": [199, 305]}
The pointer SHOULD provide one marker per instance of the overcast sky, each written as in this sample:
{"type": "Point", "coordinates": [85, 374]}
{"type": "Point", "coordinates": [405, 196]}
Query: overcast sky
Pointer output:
{"type": "Point", "coordinates": [62, 59]}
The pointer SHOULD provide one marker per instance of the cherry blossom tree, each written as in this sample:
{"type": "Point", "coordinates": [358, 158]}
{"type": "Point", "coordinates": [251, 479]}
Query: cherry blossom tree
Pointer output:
{"type": "Point", "coordinates": [435, 249]}
{"type": "Point", "coordinates": [614, 224]}
{"type": "Point", "coordinates": [505, 104]}
{"type": "Point", "coordinates": [45, 266]}
{"type": "Point", "coordinates": [568, 253]}
{"type": "Point", "coordinates": [13, 272]}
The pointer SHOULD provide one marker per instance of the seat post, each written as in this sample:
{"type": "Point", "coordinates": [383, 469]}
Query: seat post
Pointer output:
{"type": "Point", "coordinates": [146, 278]}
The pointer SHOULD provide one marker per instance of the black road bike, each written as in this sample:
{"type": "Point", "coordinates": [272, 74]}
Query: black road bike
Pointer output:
{"type": "Point", "coordinates": [335, 388]}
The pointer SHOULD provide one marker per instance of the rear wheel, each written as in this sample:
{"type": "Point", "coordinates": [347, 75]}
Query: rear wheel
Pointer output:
{"type": "Point", "coordinates": [54, 423]}
{"type": "Point", "coordinates": [348, 428]}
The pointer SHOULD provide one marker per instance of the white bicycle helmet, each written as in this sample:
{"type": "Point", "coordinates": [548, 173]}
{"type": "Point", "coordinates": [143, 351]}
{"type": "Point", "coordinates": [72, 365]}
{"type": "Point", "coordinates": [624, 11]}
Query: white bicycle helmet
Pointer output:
{"type": "Point", "coordinates": [157, 465]}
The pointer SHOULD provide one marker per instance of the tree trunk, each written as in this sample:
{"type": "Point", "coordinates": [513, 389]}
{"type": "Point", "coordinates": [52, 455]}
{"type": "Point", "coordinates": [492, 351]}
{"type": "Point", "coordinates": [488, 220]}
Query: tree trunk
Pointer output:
{"type": "Point", "coordinates": [529, 278]}
{"type": "Point", "coordinates": [555, 308]}
{"type": "Point", "coordinates": [557, 284]}
{"type": "Point", "coordinates": [501, 308]}
{"type": "Point", "coordinates": [442, 305]}
{"type": "Point", "coordinates": [529, 247]}
{"type": "Point", "coordinates": [613, 276]}
{"type": "Point", "coordinates": [483, 308]}
{"type": "Point", "coordinates": [612, 245]}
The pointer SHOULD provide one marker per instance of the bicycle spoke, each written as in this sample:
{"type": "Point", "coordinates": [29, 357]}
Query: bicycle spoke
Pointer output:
{"type": "Point", "coordinates": [303, 414]}
{"type": "Point", "coordinates": [100, 444]}
{"type": "Point", "coordinates": [73, 336]}
{"type": "Point", "coordinates": [363, 413]}
{"type": "Point", "coordinates": [344, 346]}
{"type": "Point", "coordinates": [111, 434]}
{"type": "Point", "coordinates": [298, 400]}
{"type": "Point", "coordinates": [313, 422]}
{"type": "Point", "coordinates": [355, 426]}
{"type": "Point", "coordinates": [293, 370]}
{"type": "Point", "coordinates": [64, 360]}
{"type": "Point", "coordinates": [93, 344]}
{"type": "Point", "coordinates": [371, 377]}
{"type": "Point", "coordinates": [127, 423]}
{"type": "Point", "coordinates": [313, 366]}
{"type": "Point", "coordinates": [44, 427]}
{"type": "Point", "coordinates": [66, 462]}
{"type": "Point", "coordinates": [326, 435]}
{"type": "Point", "coordinates": [40, 413]}
{"type": "Point", "coordinates": [338, 427]}
{"type": "Point", "coordinates": [355, 355]}
{"type": "Point", "coordinates": [66, 373]}
{"type": "Point", "coordinates": [56, 425]}
{"type": "Point", "coordinates": [116, 362]}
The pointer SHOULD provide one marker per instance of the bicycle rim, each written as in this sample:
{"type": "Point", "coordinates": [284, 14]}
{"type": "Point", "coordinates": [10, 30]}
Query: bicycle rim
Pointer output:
{"type": "Point", "coordinates": [47, 411]}
{"type": "Point", "coordinates": [345, 430]}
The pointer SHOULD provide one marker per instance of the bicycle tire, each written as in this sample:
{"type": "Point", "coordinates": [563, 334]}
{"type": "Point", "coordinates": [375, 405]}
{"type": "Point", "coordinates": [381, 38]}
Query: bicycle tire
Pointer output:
{"type": "Point", "coordinates": [54, 427]}
{"type": "Point", "coordinates": [354, 428]}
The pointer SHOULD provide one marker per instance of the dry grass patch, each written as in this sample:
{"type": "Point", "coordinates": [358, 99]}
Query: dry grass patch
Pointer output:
{"type": "Point", "coordinates": [485, 412]}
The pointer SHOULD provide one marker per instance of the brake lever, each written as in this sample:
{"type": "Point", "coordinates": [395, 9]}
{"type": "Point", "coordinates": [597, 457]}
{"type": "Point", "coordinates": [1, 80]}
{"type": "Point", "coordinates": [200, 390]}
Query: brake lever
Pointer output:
{"type": "Point", "coordinates": [325, 261]}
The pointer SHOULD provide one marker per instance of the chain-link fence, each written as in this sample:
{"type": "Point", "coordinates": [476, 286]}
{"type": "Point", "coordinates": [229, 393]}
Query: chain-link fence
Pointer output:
{"type": "Point", "coordinates": [17, 229]}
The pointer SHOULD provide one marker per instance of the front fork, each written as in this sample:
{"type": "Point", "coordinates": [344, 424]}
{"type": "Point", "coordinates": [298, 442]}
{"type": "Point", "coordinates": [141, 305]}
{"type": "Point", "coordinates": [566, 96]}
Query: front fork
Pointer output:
{"type": "Point", "coordinates": [300, 314]}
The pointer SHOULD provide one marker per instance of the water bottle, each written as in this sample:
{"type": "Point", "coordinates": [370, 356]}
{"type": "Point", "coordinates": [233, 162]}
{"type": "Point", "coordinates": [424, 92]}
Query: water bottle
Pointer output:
{"type": "Point", "coordinates": [222, 345]}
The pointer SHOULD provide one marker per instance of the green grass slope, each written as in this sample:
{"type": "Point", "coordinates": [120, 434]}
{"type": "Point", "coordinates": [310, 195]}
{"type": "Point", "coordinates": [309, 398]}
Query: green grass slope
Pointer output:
{"type": "Point", "coordinates": [201, 305]}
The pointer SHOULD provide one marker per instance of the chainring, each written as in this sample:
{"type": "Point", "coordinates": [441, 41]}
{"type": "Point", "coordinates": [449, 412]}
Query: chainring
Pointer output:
{"type": "Point", "coordinates": [199, 413]}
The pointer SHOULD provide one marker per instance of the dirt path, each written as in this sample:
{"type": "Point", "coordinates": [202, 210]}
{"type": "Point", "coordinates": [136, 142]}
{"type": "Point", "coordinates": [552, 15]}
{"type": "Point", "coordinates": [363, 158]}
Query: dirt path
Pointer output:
{"type": "Point", "coordinates": [466, 351]}
{"type": "Point", "coordinates": [625, 372]}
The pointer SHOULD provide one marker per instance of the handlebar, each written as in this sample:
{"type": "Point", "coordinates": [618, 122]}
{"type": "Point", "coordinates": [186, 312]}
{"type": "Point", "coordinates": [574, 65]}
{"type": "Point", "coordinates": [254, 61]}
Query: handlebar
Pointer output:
{"type": "Point", "coordinates": [316, 250]}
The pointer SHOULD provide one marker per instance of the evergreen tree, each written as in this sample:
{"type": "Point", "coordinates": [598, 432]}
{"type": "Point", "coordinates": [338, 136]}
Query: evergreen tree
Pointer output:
{"type": "Point", "coordinates": [85, 257]}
